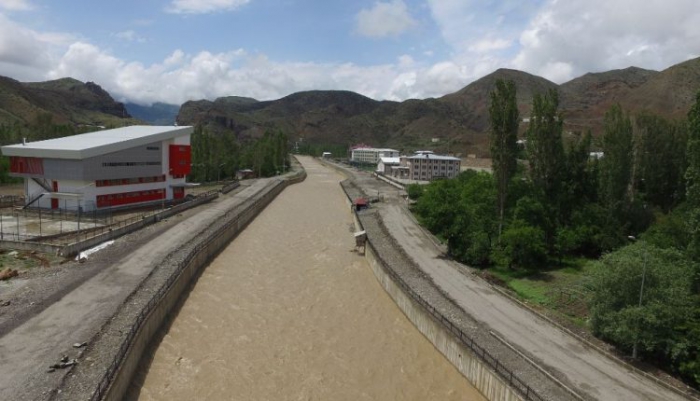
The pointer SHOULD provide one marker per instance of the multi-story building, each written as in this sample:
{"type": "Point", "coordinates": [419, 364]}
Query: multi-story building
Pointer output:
{"type": "Point", "coordinates": [104, 169]}
{"type": "Point", "coordinates": [428, 166]}
{"type": "Point", "coordinates": [365, 155]}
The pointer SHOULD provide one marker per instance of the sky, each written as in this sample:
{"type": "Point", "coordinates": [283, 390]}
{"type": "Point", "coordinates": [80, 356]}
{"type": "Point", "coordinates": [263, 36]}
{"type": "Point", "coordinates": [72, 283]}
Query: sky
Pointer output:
{"type": "Point", "coordinates": [172, 51]}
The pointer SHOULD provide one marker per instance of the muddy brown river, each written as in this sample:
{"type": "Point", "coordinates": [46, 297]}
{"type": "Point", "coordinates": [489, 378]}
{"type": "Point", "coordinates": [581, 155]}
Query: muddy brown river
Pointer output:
{"type": "Point", "coordinates": [288, 311]}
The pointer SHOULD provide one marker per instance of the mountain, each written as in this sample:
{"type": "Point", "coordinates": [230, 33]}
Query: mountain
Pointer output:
{"type": "Point", "coordinates": [66, 101]}
{"type": "Point", "coordinates": [586, 99]}
{"type": "Point", "coordinates": [458, 121]}
{"type": "Point", "coordinates": [155, 114]}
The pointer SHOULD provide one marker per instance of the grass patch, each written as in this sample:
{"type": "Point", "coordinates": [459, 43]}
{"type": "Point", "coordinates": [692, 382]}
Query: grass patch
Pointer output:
{"type": "Point", "coordinates": [561, 288]}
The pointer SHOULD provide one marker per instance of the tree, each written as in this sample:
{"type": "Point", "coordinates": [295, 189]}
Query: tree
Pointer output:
{"type": "Point", "coordinates": [692, 177]}
{"type": "Point", "coordinates": [659, 160]}
{"type": "Point", "coordinates": [546, 156]}
{"type": "Point", "coordinates": [628, 313]}
{"type": "Point", "coordinates": [616, 164]}
{"type": "Point", "coordinates": [503, 112]}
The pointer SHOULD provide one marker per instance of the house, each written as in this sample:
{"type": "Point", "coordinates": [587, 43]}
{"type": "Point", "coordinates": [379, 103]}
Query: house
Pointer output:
{"type": "Point", "coordinates": [105, 169]}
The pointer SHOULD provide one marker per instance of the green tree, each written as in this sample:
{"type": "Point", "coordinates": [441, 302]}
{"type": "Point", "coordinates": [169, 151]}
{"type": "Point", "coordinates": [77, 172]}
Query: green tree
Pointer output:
{"type": "Point", "coordinates": [546, 156]}
{"type": "Point", "coordinates": [616, 164]}
{"type": "Point", "coordinates": [659, 160]}
{"type": "Point", "coordinates": [692, 176]}
{"type": "Point", "coordinates": [504, 116]}
{"type": "Point", "coordinates": [641, 296]}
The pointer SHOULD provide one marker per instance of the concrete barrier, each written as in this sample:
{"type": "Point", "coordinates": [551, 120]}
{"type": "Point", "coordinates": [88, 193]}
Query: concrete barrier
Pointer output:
{"type": "Point", "coordinates": [117, 379]}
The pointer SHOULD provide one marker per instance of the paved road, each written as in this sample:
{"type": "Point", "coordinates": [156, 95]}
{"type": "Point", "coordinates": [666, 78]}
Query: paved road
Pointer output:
{"type": "Point", "coordinates": [28, 350]}
{"type": "Point", "coordinates": [587, 370]}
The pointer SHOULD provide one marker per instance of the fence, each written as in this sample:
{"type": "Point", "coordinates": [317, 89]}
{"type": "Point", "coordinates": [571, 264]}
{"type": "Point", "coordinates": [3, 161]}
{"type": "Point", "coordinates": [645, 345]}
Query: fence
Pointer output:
{"type": "Point", "coordinates": [506, 374]}
{"type": "Point", "coordinates": [205, 249]}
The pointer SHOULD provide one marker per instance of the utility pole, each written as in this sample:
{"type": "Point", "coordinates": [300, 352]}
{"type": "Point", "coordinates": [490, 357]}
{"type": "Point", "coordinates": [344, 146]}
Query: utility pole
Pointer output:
{"type": "Point", "coordinates": [641, 296]}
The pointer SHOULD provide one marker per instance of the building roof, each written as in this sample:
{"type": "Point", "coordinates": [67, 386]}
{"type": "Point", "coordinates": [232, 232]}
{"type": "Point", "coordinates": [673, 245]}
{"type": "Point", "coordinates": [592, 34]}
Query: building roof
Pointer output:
{"type": "Point", "coordinates": [83, 146]}
{"type": "Point", "coordinates": [390, 160]}
{"type": "Point", "coordinates": [377, 149]}
{"type": "Point", "coordinates": [428, 156]}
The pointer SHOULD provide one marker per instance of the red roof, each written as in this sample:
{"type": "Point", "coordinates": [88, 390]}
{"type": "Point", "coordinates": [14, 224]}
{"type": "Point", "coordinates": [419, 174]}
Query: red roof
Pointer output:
{"type": "Point", "coordinates": [361, 201]}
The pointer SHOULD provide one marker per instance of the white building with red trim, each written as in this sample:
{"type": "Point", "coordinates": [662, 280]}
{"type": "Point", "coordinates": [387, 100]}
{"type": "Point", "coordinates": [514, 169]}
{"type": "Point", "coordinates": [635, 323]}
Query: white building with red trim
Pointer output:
{"type": "Point", "coordinates": [104, 169]}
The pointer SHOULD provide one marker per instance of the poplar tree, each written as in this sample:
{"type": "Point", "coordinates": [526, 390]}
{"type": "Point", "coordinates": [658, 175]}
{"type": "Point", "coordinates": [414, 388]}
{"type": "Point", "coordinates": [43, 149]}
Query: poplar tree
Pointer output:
{"type": "Point", "coordinates": [546, 157]}
{"type": "Point", "coordinates": [692, 176]}
{"type": "Point", "coordinates": [616, 164]}
{"type": "Point", "coordinates": [504, 116]}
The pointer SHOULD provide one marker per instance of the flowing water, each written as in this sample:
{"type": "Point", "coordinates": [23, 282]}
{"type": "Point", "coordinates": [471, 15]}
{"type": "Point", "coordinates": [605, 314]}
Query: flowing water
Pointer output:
{"type": "Point", "coordinates": [288, 311]}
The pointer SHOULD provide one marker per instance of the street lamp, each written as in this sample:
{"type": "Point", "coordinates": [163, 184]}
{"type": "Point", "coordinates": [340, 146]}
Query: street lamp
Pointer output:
{"type": "Point", "coordinates": [641, 294]}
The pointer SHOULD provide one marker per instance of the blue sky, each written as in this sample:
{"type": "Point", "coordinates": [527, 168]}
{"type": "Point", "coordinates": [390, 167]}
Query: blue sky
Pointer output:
{"type": "Point", "coordinates": [178, 50]}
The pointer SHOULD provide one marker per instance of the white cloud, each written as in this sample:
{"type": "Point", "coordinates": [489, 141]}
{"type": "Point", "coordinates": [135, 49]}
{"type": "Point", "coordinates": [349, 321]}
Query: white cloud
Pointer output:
{"type": "Point", "coordinates": [16, 5]}
{"type": "Point", "coordinates": [488, 45]}
{"type": "Point", "coordinates": [385, 19]}
{"type": "Point", "coordinates": [24, 53]}
{"type": "Point", "coordinates": [569, 38]}
{"type": "Point", "coordinates": [204, 6]}
{"type": "Point", "coordinates": [129, 36]}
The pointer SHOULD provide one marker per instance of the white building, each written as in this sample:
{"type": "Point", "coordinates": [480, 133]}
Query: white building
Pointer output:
{"type": "Point", "coordinates": [104, 169]}
{"type": "Point", "coordinates": [371, 155]}
{"type": "Point", "coordinates": [386, 164]}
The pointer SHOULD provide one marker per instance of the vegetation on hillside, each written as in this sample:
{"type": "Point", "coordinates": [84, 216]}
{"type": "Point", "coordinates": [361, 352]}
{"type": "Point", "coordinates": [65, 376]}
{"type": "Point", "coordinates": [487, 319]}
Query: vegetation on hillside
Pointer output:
{"type": "Point", "coordinates": [637, 209]}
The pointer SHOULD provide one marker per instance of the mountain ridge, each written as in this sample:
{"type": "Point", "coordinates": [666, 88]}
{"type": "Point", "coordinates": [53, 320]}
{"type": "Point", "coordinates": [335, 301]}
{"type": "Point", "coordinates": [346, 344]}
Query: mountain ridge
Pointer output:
{"type": "Point", "coordinates": [454, 122]}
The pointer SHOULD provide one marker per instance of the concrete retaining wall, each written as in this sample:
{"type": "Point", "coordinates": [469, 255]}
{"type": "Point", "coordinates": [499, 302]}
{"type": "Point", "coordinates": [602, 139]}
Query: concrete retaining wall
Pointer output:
{"type": "Point", "coordinates": [478, 374]}
{"type": "Point", "coordinates": [118, 382]}
{"type": "Point", "coordinates": [439, 333]}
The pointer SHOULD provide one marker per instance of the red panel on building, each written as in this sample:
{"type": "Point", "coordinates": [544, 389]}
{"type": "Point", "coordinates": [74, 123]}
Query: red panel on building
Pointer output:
{"type": "Point", "coordinates": [178, 193]}
{"type": "Point", "coordinates": [180, 159]}
{"type": "Point", "coordinates": [26, 165]}
{"type": "Point", "coordinates": [126, 198]}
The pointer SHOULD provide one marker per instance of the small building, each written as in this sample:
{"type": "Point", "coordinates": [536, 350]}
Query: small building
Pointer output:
{"type": "Point", "coordinates": [364, 155]}
{"type": "Point", "coordinates": [245, 174]}
{"type": "Point", "coordinates": [386, 164]}
{"type": "Point", "coordinates": [105, 169]}
{"type": "Point", "coordinates": [326, 155]}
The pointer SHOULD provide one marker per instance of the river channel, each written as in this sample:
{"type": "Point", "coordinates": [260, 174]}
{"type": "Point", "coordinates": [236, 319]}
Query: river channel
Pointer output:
{"type": "Point", "coordinates": [288, 311]}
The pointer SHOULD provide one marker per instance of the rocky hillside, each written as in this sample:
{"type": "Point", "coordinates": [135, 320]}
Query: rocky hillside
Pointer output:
{"type": "Point", "coordinates": [67, 101]}
{"type": "Point", "coordinates": [459, 121]}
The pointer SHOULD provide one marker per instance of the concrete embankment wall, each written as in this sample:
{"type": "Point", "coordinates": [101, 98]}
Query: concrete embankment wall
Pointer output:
{"type": "Point", "coordinates": [117, 379]}
{"type": "Point", "coordinates": [444, 336]}
{"type": "Point", "coordinates": [439, 334]}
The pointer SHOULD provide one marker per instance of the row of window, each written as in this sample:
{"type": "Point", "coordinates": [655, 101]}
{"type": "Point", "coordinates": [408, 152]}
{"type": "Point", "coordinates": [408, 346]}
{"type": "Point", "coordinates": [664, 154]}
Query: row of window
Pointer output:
{"type": "Point", "coordinates": [129, 181]}
{"type": "Point", "coordinates": [126, 198]}
{"type": "Point", "coordinates": [122, 164]}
